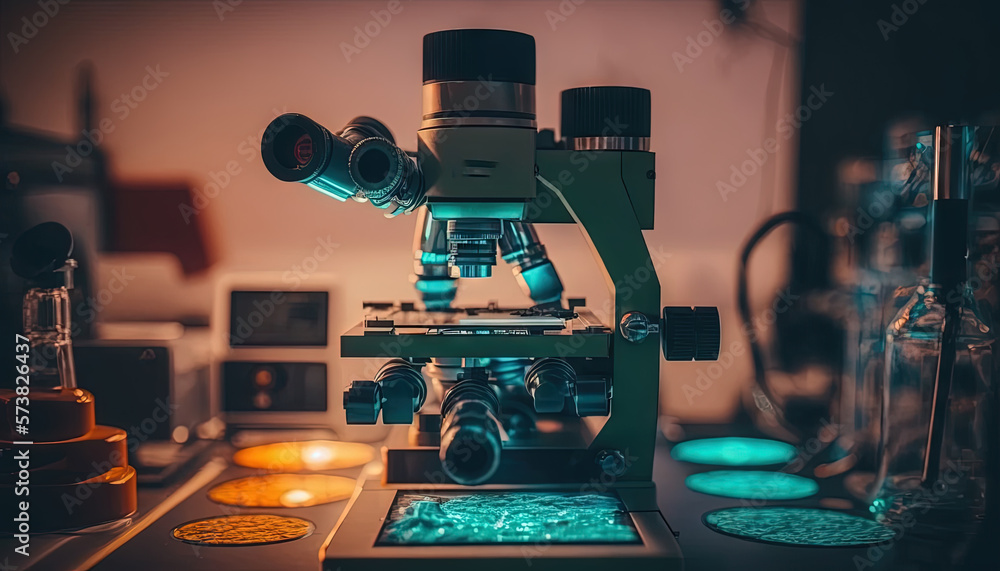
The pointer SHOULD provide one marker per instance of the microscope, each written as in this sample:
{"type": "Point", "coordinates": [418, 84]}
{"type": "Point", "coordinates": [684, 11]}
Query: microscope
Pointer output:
{"type": "Point", "coordinates": [526, 434]}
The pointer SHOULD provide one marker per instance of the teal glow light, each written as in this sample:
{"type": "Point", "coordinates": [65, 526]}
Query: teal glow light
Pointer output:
{"type": "Point", "coordinates": [733, 451]}
{"type": "Point", "coordinates": [805, 527]}
{"type": "Point", "coordinates": [321, 186]}
{"type": "Point", "coordinates": [435, 286]}
{"type": "Point", "coordinates": [878, 507]}
{"type": "Point", "coordinates": [752, 485]}
{"type": "Point", "coordinates": [432, 258]}
{"type": "Point", "coordinates": [483, 518]}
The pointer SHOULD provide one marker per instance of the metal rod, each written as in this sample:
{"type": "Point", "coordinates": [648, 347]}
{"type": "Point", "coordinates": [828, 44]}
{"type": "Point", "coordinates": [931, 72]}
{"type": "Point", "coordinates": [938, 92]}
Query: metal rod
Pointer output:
{"type": "Point", "coordinates": [948, 270]}
{"type": "Point", "coordinates": [942, 390]}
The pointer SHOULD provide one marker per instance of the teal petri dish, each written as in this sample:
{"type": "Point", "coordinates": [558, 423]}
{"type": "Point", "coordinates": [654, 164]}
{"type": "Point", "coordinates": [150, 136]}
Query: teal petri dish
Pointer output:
{"type": "Point", "coordinates": [800, 527]}
{"type": "Point", "coordinates": [734, 451]}
{"type": "Point", "coordinates": [752, 485]}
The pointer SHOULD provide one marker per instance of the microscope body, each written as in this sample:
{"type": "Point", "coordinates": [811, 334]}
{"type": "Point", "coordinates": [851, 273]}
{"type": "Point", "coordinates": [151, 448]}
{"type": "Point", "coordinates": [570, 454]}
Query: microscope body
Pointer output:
{"type": "Point", "coordinates": [545, 399]}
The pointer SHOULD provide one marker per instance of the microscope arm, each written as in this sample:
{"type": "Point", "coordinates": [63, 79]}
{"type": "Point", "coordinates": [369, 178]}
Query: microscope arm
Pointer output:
{"type": "Point", "coordinates": [612, 228]}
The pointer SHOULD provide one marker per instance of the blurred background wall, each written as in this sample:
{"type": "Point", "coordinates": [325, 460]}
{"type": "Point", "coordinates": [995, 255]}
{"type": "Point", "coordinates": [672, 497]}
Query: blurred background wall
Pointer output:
{"type": "Point", "coordinates": [217, 72]}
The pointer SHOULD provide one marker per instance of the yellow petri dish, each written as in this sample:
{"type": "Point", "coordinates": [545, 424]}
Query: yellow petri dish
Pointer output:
{"type": "Point", "coordinates": [282, 491]}
{"type": "Point", "coordinates": [242, 530]}
{"type": "Point", "coordinates": [306, 456]}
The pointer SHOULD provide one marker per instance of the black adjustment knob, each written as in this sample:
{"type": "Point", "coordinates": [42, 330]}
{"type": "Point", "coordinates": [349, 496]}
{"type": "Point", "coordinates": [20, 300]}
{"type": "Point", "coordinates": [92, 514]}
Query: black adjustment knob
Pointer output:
{"type": "Point", "coordinates": [679, 333]}
{"type": "Point", "coordinates": [479, 55]}
{"type": "Point", "coordinates": [402, 389]}
{"type": "Point", "coordinates": [708, 333]}
{"type": "Point", "coordinates": [691, 333]}
{"type": "Point", "coordinates": [363, 402]}
{"type": "Point", "coordinates": [605, 112]}
{"type": "Point", "coordinates": [40, 251]}
{"type": "Point", "coordinates": [549, 381]}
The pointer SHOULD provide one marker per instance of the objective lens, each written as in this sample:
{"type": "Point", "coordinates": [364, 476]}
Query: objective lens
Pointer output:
{"type": "Point", "coordinates": [473, 246]}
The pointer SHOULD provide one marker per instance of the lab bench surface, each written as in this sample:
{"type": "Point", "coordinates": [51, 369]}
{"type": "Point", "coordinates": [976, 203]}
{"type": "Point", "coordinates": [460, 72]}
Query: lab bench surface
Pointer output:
{"type": "Point", "coordinates": [707, 550]}
{"type": "Point", "coordinates": [150, 546]}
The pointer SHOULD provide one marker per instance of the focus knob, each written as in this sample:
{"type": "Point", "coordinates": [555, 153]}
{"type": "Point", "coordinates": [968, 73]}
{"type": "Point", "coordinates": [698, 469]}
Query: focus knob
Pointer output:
{"type": "Point", "coordinates": [691, 333]}
{"type": "Point", "coordinates": [363, 402]}
{"type": "Point", "coordinates": [606, 118]}
{"type": "Point", "coordinates": [402, 389]}
{"type": "Point", "coordinates": [479, 55]}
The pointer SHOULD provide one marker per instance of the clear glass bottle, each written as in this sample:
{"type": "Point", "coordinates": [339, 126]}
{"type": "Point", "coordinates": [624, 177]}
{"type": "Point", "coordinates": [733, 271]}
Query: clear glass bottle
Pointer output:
{"type": "Point", "coordinates": [938, 402]}
{"type": "Point", "coordinates": [881, 283]}
{"type": "Point", "coordinates": [954, 497]}
{"type": "Point", "coordinates": [48, 329]}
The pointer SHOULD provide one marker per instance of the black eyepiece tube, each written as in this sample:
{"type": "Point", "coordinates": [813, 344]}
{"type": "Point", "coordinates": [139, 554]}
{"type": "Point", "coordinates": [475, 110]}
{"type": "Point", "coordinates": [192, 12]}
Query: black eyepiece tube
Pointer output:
{"type": "Point", "coordinates": [470, 433]}
{"type": "Point", "coordinates": [360, 162]}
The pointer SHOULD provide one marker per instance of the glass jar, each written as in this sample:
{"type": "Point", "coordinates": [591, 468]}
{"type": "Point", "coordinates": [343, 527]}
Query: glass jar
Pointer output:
{"type": "Point", "coordinates": [952, 496]}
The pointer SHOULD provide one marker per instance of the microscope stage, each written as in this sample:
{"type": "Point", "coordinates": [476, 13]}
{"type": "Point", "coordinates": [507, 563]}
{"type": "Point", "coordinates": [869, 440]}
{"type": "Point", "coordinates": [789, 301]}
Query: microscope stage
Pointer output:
{"type": "Point", "coordinates": [513, 321]}
{"type": "Point", "coordinates": [476, 333]}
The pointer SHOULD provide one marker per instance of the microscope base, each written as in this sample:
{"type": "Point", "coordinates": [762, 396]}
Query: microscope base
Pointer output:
{"type": "Point", "coordinates": [358, 541]}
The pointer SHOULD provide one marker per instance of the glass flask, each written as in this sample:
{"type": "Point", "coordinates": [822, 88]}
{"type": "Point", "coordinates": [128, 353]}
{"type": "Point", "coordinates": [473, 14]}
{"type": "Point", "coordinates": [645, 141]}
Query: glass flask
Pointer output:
{"type": "Point", "coordinates": [883, 288]}
{"type": "Point", "coordinates": [879, 284]}
{"type": "Point", "coordinates": [951, 498]}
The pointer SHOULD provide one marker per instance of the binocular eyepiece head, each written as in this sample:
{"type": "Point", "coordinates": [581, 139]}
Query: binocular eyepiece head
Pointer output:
{"type": "Point", "coordinates": [362, 161]}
